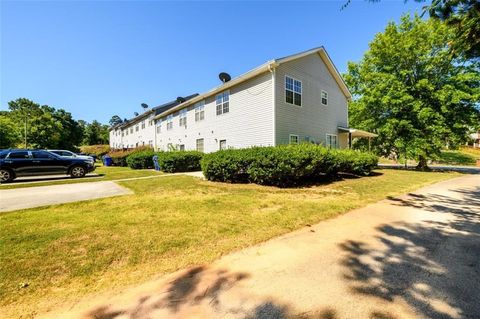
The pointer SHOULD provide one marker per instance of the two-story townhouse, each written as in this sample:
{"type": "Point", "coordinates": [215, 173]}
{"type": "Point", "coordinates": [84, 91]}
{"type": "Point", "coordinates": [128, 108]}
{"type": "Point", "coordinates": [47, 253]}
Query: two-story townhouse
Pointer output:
{"type": "Point", "coordinates": [298, 98]}
{"type": "Point", "coordinates": [141, 130]}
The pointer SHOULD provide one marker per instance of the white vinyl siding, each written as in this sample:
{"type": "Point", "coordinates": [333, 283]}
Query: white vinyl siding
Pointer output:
{"type": "Point", "coordinates": [223, 102]}
{"type": "Point", "coordinates": [313, 119]}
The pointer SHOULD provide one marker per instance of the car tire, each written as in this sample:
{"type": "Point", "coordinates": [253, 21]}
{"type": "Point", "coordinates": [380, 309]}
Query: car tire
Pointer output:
{"type": "Point", "coordinates": [6, 175]}
{"type": "Point", "coordinates": [77, 171]}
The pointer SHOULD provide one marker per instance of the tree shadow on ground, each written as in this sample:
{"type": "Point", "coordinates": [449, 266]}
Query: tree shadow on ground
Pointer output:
{"type": "Point", "coordinates": [190, 287]}
{"type": "Point", "coordinates": [434, 266]}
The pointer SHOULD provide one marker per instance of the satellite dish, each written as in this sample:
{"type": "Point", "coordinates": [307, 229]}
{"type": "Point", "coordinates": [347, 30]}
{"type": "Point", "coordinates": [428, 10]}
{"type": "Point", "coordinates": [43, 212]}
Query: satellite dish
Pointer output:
{"type": "Point", "coordinates": [224, 77]}
{"type": "Point", "coordinates": [144, 105]}
{"type": "Point", "coordinates": [135, 113]}
{"type": "Point", "coordinates": [180, 99]}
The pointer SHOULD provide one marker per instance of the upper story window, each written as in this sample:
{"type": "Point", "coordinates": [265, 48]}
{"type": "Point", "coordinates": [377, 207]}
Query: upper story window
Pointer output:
{"type": "Point", "coordinates": [332, 141]}
{"type": "Point", "coordinates": [136, 128]}
{"type": "Point", "coordinates": [200, 111]}
{"type": "Point", "coordinates": [222, 102]}
{"type": "Point", "coordinates": [143, 125]}
{"type": "Point", "coordinates": [182, 118]}
{"type": "Point", "coordinates": [169, 122]}
{"type": "Point", "coordinates": [324, 98]}
{"type": "Point", "coordinates": [131, 130]}
{"type": "Point", "coordinates": [159, 127]}
{"type": "Point", "coordinates": [293, 91]}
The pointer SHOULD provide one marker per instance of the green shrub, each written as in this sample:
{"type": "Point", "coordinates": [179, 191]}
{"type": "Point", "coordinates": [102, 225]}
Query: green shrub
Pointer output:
{"type": "Point", "coordinates": [119, 157]}
{"type": "Point", "coordinates": [284, 166]}
{"type": "Point", "coordinates": [140, 159]}
{"type": "Point", "coordinates": [179, 161]}
{"type": "Point", "coordinates": [97, 150]}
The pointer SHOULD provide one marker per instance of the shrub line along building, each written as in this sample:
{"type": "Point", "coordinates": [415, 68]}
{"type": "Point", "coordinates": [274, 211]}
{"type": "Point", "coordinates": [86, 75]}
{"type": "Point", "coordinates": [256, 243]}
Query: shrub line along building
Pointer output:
{"type": "Point", "coordinates": [298, 98]}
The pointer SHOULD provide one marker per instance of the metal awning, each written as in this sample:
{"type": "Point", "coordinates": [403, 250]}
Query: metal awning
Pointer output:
{"type": "Point", "coordinates": [356, 132]}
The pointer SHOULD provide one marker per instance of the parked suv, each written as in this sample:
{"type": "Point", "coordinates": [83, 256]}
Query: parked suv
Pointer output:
{"type": "Point", "coordinates": [21, 162]}
{"type": "Point", "coordinates": [66, 153]}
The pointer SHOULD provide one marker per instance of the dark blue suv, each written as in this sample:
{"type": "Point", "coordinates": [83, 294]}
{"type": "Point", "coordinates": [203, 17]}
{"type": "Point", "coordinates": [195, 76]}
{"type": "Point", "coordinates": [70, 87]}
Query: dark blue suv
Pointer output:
{"type": "Point", "coordinates": [21, 162]}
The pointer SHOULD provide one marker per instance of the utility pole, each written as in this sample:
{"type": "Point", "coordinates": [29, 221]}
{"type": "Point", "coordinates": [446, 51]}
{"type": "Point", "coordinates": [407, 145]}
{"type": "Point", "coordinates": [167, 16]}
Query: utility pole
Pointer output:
{"type": "Point", "coordinates": [25, 131]}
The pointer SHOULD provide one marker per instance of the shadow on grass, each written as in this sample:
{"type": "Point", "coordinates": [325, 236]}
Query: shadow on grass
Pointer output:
{"type": "Point", "coordinates": [26, 180]}
{"type": "Point", "coordinates": [433, 266]}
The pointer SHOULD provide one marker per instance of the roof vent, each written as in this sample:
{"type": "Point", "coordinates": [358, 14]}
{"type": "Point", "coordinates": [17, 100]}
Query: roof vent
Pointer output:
{"type": "Point", "coordinates": [224, 77]}
{"type": "Point", "coordinates": [180, 99]}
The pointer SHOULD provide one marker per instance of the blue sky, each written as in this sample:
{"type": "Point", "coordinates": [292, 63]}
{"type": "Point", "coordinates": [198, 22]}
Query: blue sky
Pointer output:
{"type": "Point", "coordinates": [97, 59]}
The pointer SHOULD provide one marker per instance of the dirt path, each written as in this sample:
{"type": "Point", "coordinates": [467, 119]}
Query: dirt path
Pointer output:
{"type": "Point", "coordinates": [417, 256]}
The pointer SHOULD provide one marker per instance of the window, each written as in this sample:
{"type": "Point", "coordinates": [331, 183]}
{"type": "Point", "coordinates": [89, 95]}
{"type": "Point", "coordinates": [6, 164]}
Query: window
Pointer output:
{"type": "Point", "coordinates": [293, 139]}
{"type": "Point", "coordinates": [43, 154]}
{"type": "Point", "coordinates": [143, 125]}
{"type": "Point", "coordinates": [131, 130]}
{"type": "Point", "coordinates": [324, 98]}
{"type": "Point", "coordinates": [169, 122]}
{"type": "Point", "coordinates": [223, 144]}
{"type": "Point", "coordinates": [222, 102]}
{"type": "Point", "coordinates": [293, 91]}
{"type": "Point", "coordinates": [150, 143]}
{"type": "Point", "coordinates": [21, 154]}
{"type": "Point", "coordinates": [200, 111]}
{"type": "Point", "coordinates": [136, 128]}
{"type": "Point", "coordinates": [332, 141]}
{"type": "Point", "coordinates": [181, 147]}
{"type": "Point", "coordinates": [200, 144]}
{"type": "Point", "coordinates": [159, 128]}
{"type": "Point", "coordinates": [182, 117]}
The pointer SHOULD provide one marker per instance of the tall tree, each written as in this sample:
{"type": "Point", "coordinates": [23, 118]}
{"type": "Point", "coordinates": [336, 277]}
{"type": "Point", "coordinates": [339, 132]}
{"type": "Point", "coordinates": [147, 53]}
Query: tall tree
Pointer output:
{"type": "Point", "coordinates": [115, 120]}
{"type": "Point", "coordinates": [9, 135]}
{"type": "Point", "coordinates": [412, 92]}
{"type": "Point", "coordinates": [95, 133]}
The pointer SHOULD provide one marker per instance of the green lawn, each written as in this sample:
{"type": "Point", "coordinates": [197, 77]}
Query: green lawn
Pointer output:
{"type": "Point", "coordinates": [462, 157]}
{"type": "Point", "coordinates": [54, 255]}
{"type": "Point", "coordinates": [106, 173]}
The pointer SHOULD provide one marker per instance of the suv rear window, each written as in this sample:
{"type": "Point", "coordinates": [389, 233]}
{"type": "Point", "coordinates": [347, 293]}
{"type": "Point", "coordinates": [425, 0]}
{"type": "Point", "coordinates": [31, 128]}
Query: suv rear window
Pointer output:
{"type": "Point", "coordinates": [41, 154]}
{"type": "Point", "coordinates": [20, 154]}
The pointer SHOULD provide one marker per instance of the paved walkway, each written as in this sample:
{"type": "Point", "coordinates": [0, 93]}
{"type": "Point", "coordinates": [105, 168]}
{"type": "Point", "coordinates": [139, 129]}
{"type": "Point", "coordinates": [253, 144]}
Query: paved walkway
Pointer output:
{"type": "Point", "coordinates": [21, 198]}
{"type": "Point", "coordinates": [416, 256]}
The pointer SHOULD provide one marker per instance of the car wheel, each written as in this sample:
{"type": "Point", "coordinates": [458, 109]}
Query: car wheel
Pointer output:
{"type": "Point", "coordinates": [6, 175]}
{"type": "Point", "coordinates": [77, 171]}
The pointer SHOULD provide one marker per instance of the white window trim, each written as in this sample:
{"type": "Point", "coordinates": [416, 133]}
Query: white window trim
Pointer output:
{"type": "Point", "coordinates": [203, 144]}
{"type": "Point", "coordinates": [223, 102]}
{"type": "Point", "coordinates": [169, 121]}
{"type": "Point", "coordinates": [285, 90]}
{"type": "Point", "coordinates": [182, 118]}
{"type": "Point", "coordinates": [200, 109]}
{"type": "Point", "coordinates": [326, 140]}
{"type": "Point", "coordinates": [290, 139]}
{"type": "Point", "coordinates": [321, 97]}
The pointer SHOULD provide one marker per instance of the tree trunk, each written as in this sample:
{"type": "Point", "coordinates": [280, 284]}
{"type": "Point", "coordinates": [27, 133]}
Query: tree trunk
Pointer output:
{"type": "Point", "coordinates": [422, 164]}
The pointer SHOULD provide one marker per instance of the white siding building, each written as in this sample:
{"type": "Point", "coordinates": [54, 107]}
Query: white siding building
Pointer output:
{"type": "Point", "coordinates": [299, 98]}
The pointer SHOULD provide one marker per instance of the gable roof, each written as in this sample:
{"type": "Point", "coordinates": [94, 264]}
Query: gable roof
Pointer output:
{"type": "Point", "coordinates": [156, 110]}
{"type": "Point", "coordinates": [268, 66]}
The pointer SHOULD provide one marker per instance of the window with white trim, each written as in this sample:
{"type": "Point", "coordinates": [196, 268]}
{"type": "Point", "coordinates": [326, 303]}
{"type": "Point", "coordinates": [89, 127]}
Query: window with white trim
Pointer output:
{"type": "Point", "coordinates": [222, 102]}
{"type": "Point", "coordinates": [324, 98]}
{"type": "Point", "coordinates": [200, 143]}
{"type": "Point", "coordinates": [143, 125]}
{"type": "Point", "coordinates": [131, 130]}
{"type": "Point", "coordinates": [169, 122]}
{"type": "Point", "coordinates": [332, 141]}
{"type": "Point", "coordinates": [159, 127]}
{"type": "Point", "coordinates": [293, 139]}
{"type": "Point", "coordinates": [223, 144]}
{"type": "Point", "coordinates": [200, 111]}
{"type": "Point", "coordinates": [136, 128]}
{"type": "Point", "coordinates": [181, 147]}
{"type": "Point", "coordinates": [182, 117]}
{"type": "Point", "coordinates": [293, 91]}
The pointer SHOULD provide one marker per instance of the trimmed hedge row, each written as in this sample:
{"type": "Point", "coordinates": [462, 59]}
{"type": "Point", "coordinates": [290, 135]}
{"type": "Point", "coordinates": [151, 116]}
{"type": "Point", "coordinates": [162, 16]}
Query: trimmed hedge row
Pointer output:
{"type": "Point", "coordinates": [179, 161]}
{"type": "Point", "coordinates": [141, 159]}
{"type": "Point", "coordinates": [285, 165]}
{"type": "Point", "coordinates": [97, 150]}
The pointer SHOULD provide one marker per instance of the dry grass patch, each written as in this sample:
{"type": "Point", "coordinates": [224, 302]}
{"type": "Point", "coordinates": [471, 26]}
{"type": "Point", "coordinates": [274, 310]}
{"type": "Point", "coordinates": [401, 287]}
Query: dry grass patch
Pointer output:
{"type": "Point", "coordinates": [52, 256]}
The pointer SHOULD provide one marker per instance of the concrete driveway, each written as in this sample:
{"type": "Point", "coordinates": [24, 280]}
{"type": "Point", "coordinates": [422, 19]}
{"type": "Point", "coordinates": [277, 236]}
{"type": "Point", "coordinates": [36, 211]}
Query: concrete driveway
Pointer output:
{"type": "Point", "coordinates": [416, 256]}
{"type": "Point", "coordinates": [21, 198]}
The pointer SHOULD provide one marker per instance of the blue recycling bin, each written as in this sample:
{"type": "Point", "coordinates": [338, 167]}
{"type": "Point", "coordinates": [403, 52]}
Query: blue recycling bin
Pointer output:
{"type": "Point", "coordinates": [155, 162]}
{"type": "Point", "coordinates": [107, 160]}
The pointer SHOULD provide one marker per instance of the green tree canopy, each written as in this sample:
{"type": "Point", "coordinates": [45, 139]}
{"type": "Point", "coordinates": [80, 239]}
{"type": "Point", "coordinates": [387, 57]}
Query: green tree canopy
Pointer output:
{"type": "Point", "coordinates": [411, 91]}
{"type": "Point", "coordinates": [9, 135]}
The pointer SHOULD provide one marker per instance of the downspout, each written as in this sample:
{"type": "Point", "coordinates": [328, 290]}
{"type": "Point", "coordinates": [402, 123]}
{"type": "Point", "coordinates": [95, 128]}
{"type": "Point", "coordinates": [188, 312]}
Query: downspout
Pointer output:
{"type": "Point", "coordinates": [271, 68]}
